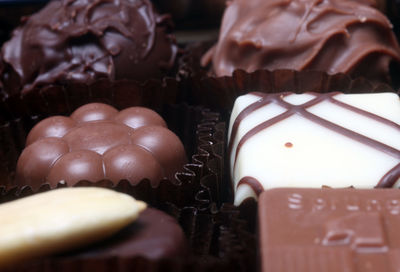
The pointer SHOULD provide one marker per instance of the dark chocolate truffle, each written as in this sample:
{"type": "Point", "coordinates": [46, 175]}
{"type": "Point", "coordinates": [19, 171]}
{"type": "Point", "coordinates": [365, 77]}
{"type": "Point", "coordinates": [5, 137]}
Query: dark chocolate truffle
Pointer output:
{"type": "Point", "coordinates": [335, 36]}
{"type": "Point", "coordinates": [154, 235]}
{"type": "Point", "coordinates": [83, 40]}
{"type": "Point", "coordinates": [98, 142]}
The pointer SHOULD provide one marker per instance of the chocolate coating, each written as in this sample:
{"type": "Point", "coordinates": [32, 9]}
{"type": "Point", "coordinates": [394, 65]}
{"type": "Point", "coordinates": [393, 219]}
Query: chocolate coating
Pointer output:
{"type": "Point", "coordinates": [38, 158]}
{"type": "Point", "coordinates": [137, 117]}
{"type": "Point", "coordinates": [156, 139]}
{"type": "Point", "coordinates": [95, 144]}
{"type": "Point", "coordinates": [75, 166]}
{"type": "Point", "coordinates": [154, 235]}
{"type": "Point", "coordinates": [318, 230]}
{"type": "Point", "coordinates": [97, 136]}
{"type": "Point", "coordinates": [94, 112]}
{"type": "Point", "coordinates": [132, 163]}
{"type": "Point", "coordinates": [52, 127]}
{"type": "Point", "coordinates": [335, 36]}
{"type": "Point", "coordinates": [83, 40]}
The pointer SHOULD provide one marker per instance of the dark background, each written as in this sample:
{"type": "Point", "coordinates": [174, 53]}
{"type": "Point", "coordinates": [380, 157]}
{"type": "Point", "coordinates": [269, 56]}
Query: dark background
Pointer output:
{"type": "Point", "coordinates": [203, 15]}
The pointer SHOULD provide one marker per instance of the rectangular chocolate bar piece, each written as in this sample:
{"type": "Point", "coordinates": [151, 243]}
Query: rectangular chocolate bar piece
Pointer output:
{"type": "Point", "coordinates": [313, 140]}
{"type": "Point", "coordinates": [324, 230]}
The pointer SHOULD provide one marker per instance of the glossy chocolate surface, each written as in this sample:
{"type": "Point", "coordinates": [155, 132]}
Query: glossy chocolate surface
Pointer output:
{"type": "Point", "coordinates": [335, 36]}
{"type": "Point", "coordinates": [98, 142]}
{"type": "Point", "coordinates": [154, 235]}
{"type": "Point", "coordinates": [83, 40]}
{"type": "Point", "coordinates": [329, 230]}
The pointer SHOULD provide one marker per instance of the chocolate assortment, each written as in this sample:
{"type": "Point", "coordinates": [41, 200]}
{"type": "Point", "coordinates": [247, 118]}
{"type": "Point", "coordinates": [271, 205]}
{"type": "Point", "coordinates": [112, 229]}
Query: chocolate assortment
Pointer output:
{"type": "Point", "coordinates": [313, 140]}
{"type": "Point", "coordinates": [86, 223]}
{"type": "Point", "coordinates": [195, 126]}
{"type": "Point", "coordinates": [335, 36]}
{"type": "Point", "coordinates": [266, 152]}
{"type": "Point", "coordinates": [97, 142]}
{"type": "Point", "coordinates": [77, 41]}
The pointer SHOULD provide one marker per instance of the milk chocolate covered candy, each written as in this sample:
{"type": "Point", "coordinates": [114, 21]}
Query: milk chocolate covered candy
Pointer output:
{"type": "Point", "coordinates": [98, 142]}
{"type": "Point", "coordinates": [334, 36]}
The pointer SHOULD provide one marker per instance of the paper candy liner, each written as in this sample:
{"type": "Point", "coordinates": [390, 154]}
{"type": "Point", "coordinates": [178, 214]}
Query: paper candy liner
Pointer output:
{"type": "Point", "coordinates": [188, 198]}
{"type": "Point", "coordinates": [200, 87]}
{"type": "Point", "coordinates": [63, 99]}
{"type": "Point", "coordinates": [193, 125]}
{"type": "Point", "coordinates": [202, 137]}
{"type": "Point", "coordinates": [219, 93]}
{"type": "Point", "coordinates": [216, 242]}
{"type": "Point", "coordinates": [238, 239]}
{"type": "Point", "coordinates": [225, 90]}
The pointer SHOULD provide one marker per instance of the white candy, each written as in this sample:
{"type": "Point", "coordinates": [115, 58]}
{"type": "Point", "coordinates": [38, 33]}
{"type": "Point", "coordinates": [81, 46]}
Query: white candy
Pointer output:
{"type": "Point", "coordinates": [312, 140]}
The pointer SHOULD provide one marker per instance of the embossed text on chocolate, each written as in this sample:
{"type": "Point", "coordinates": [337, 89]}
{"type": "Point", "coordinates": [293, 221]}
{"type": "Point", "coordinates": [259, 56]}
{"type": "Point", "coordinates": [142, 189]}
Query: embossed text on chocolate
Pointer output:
{"type": "Point", "coordinates": [296, 201]}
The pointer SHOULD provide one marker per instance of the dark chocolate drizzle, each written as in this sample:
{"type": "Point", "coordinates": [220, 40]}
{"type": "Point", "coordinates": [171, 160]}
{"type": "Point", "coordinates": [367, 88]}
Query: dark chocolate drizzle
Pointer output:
{"type": "Point", "coordinates": [387, 181]}
{"type": "Point", "coordinates": [85, 40]}
{"type": "Point", "coordinates": [390, 178]}
{"type": "Point", "coordinates": [243, 114]}
{"type": "Point", "coordinates": [255, 185]}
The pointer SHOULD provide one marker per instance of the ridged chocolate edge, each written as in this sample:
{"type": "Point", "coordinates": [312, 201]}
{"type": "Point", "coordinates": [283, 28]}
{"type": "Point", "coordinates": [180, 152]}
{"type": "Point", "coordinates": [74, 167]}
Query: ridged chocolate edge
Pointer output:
{"type": "Point", "coordinates": [203, 233]}
{"type": "Point", "coordinates": [62, 99]}
{"type": "Point", "coordinates": [190, 205]}
{"type": "Point", "coordinates": [21, 113]}
{"type": "Point", "coordinates": [219, 93]}
{"type": "Point", "coordinates": [199, 87]}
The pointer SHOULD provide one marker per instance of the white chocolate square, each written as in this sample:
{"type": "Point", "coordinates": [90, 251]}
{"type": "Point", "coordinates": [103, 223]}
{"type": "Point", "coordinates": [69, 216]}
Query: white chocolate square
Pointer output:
{"type": "Point", "coordinates": [313, 140]}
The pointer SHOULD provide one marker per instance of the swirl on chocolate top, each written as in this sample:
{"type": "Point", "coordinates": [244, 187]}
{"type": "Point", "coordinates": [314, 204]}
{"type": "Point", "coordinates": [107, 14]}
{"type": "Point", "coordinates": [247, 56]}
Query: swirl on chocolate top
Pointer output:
{"type": "Point", "coordinates": [97, 142]}
{"type": "Point", "coordinates": [336, 36]}
{"type": "Point", "coordinates": [83, 40]}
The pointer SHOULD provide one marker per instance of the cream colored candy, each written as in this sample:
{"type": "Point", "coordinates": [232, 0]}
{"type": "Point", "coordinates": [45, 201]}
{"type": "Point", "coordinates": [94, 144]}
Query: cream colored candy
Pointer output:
{"type": "Point", "coordinates": [311, 140]}
{"type": "Point", "coordinates": [60, 220]}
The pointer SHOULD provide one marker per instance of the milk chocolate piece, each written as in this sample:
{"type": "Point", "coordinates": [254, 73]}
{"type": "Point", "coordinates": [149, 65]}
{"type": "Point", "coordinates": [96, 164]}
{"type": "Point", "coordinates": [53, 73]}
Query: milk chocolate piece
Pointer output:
{"type": "Point", "coordinates": [311, 140]}
{"type": "Point", "coordinates": [334, 36]}
{"type": "Point", "coordinates": [98, 142]}
{"type": "Point", "coordinates": [154, 235]}
{"type": "Point", "coordinates": [83, 40]}
{"type": "Point", "coordinates": [321, 230]}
